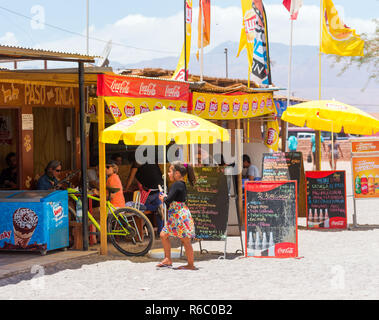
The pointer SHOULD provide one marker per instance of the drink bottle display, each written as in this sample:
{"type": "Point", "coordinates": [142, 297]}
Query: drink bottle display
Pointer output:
{"type": "Point", "coordinates": [357, 185]}
{"type": "Point", "coordinates": [326, 219]}
{"type": "Point", "coordinates": [315, 219]}
{"type": "Point", "coordinates": [321, 219]}
{"type": "Point", "coordinates": [364, 184]}
{"type": "Point", "coordinates": [271, 246]}
{"type": "Point", "coordinates": [250, 245]}
{"type": "Point", "coordinates": [264, 245]}
{"type": "Point", "coordinates": [310, 219]}
{"type": "Point", "coordinates": [257, 251]}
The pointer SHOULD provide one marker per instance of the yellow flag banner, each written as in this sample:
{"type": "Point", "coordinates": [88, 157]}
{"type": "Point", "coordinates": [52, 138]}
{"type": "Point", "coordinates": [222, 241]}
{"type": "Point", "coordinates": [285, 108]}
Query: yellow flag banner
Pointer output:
{"type": "Point", "coordinates": [179, 73]}
{"type": "Point", "coordinates": [272, 135]}
{"type": "Point", "coordinates": [223, 107]}
{"type": "Point", "coordinates": [337, 38]}
{"type": "Point", "coordinates": [247, 31]}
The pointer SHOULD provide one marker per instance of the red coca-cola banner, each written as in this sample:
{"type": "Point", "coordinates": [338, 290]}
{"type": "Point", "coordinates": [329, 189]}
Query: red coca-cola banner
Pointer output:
{"type": "Point", "coordinates": [123, 86]}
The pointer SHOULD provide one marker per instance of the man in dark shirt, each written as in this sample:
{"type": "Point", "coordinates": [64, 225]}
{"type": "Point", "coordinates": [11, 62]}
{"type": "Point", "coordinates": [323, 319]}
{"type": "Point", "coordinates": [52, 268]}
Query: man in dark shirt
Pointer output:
{"type": "Point", "coordinates": [149, 176]}
{"type": "Point", "coordinates": [8, 177]}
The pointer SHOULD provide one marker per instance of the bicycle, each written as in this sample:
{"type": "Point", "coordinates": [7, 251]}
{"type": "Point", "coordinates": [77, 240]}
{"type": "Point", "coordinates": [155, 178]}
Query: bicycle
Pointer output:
{"type": "Point", "coordinates": [129, 230]}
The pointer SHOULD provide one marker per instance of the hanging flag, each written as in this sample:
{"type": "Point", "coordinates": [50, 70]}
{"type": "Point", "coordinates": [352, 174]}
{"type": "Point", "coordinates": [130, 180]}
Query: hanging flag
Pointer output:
{"type": "Point", "coordinates": [254, 39]}
{"type": "Point", "coordinates": [337, 38]}
{"type": "Point", "coordinates": [293, 7]}
{"type": "Point", "coordinates": [179, 73]}
{"type": "Point", "coordinates": [272, 135]}
{"type": "Point", "coordinates": [205, 14]}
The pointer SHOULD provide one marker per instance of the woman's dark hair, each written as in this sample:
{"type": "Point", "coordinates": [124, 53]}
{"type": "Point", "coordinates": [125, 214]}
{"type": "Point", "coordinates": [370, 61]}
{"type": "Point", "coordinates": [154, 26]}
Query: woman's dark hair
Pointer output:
{"type": "Point", "coordinates": [184, 169]}
{"type": "Point", "coordinates": [53, 164]}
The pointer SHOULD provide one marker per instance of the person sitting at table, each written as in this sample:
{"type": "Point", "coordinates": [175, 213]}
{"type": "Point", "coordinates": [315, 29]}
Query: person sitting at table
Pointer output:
{"type": "Point", "coordinates": [8, 177]}
{"type": "Point", "coordinates": [49, 180]}
{"type": "Point", "coordinates": [252, 172]}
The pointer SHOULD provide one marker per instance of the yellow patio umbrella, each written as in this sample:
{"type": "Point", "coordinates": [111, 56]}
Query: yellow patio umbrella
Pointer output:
{"type": "Point", "coordinates": [162, 126]}
{"type": "Point", "coordinates": [333, 116]}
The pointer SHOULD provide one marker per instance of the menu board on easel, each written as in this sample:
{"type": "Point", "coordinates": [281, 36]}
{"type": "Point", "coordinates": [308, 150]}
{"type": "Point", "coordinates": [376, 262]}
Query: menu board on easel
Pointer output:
{"type": "Point", "coordinates": [326, 199]}
{"type": "Point", "coordinates": [271, 219]}
{"type": "Point", "coordinates": [208, 202]}
{"type": "Point", "coordinates": [281, 166]}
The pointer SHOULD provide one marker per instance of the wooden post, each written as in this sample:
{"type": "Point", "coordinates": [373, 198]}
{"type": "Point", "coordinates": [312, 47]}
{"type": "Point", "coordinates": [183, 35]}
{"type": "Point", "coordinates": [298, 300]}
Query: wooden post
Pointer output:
{"type": "Point", "coordinates": [102, 183]}
{"type": "Point", "coordinates": [83, 154]}
{"type": "Point", "coordinates": [26, 148]}
{"type": "Point", "coordinates": [283, 125]}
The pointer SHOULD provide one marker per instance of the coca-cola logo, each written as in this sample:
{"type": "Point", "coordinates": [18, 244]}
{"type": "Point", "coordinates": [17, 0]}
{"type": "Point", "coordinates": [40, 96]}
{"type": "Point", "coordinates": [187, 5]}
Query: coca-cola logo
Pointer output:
{"type": "Point", "coordinates": [172, 92]}
{"type": "Point", "coordinates": [130, 111]}
{"type": "Point", "coordinates": [236, 107]}
{"type": "Point", "coordinates": [115, 110]}
{"type": "Point", "coordinates": [225, 108]}
{"type": "Point", "coordinates": [200, 105]}
{"type": "Point", "coordinates": [337, 222]}
{"type": "Point", "coordinates": [254, 106]}
{"type": "Point", "coordinates": [285, 249]}
{"type": "Point", "coordinates": [147, 89]}
{"type": "Point", "coordinates": [121, 87]}
{"type": "Point", "coordinates": [213, 107]}
{"type": "Point", "coordinates": [185, 123]}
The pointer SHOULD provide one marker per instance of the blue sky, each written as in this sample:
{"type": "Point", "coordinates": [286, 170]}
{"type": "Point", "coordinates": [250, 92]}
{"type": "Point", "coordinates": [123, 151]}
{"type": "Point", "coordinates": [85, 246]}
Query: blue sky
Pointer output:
{"type": "Point", "coordinates": [156, 25]}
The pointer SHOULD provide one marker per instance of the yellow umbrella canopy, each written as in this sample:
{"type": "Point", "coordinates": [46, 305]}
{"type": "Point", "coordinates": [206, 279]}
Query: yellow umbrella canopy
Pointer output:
{"type": "Point", "coordinates": [331, 115]}
{"type": "Point", "coordinates": [161, 126]}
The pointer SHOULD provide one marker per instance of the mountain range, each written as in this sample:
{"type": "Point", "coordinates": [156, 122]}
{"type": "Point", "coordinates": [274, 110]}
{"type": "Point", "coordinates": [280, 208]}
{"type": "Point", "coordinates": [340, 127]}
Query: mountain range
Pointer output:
{"type": "Point", "coordinates": [351, 87]}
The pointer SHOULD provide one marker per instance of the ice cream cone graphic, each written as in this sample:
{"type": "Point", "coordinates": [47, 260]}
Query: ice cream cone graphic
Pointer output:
{"type": "Point", "coordinates": [24, 223]}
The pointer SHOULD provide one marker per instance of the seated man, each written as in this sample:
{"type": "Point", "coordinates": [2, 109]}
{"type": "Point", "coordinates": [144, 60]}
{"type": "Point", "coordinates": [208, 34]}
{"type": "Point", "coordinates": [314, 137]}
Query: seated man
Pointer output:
{"type": "Point", "coordinates": [51, 177]}
{"type": "Point", "coordinates": [8, 177]}
{"type": "Point", "coordinates": [252, 171]}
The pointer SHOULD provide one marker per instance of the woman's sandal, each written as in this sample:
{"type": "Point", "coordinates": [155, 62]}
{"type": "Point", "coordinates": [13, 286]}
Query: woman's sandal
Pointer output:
{"type": "Point", "coordinates": [164, 265]}
{"type": "Point", "coordinates": [186, 268]}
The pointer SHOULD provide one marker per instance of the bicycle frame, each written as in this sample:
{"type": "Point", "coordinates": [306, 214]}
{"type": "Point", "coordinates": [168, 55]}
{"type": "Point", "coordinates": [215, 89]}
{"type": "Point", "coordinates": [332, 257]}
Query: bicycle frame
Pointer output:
{"type": "Point", "coordinates": [110, 208]}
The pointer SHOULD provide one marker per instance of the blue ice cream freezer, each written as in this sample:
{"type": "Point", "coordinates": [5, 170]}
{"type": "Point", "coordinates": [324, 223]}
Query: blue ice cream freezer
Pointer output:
{"type": "Point", "coordinates": [34, 220]}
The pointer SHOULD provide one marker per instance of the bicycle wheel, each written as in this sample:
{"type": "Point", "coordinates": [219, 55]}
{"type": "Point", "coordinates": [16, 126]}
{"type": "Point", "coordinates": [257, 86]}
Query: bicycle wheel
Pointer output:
{"type": "Point", "coordinates": [130, 231]}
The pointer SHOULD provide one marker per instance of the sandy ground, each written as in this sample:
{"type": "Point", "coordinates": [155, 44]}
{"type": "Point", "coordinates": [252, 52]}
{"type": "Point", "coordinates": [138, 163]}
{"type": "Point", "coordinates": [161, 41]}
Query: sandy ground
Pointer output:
{"type": "Point", "coordinates": [331, 265]}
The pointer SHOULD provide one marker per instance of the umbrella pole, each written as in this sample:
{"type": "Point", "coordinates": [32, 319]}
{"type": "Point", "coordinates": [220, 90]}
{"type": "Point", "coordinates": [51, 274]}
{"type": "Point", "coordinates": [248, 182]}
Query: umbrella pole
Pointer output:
{"type": "Point", "coordinates": [333, 168]}
{"type": "Point", "coordinates": [164, 180]}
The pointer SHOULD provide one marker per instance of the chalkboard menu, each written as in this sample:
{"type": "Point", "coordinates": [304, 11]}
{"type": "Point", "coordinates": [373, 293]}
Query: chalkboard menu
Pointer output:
{"type": "Point", "coordinates": [208, 202]}
{"type": "Point", "coordinates": [281, 166]}
{"type": "Point", "coordinates": [326, 199]}
{"type": "Point", "coordinates": [271, 219]}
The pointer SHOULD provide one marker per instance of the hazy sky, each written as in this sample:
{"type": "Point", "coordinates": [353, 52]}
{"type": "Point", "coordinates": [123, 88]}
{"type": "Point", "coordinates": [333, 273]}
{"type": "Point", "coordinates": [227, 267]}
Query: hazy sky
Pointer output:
{"type": "Point", "coordinates": [147, 29]}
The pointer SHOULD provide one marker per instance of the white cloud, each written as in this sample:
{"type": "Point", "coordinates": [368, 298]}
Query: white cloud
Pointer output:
{"type": "Point", "coordinates": [9, 39]}
{"type": "Point", "coordinates": [163, 36]}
